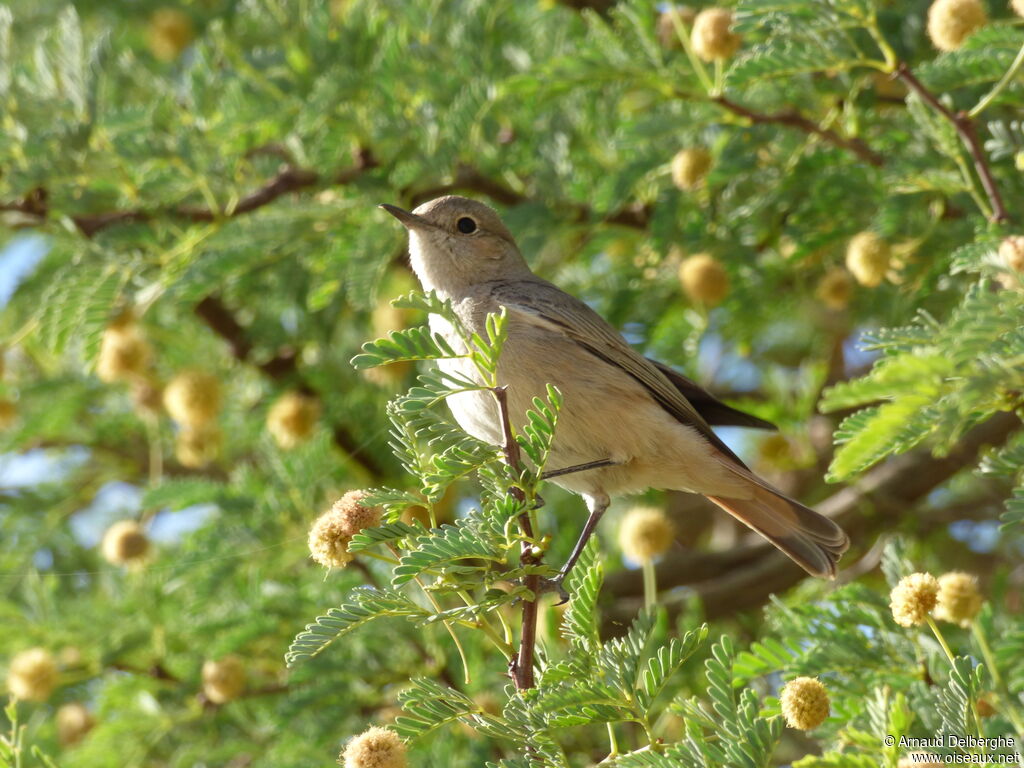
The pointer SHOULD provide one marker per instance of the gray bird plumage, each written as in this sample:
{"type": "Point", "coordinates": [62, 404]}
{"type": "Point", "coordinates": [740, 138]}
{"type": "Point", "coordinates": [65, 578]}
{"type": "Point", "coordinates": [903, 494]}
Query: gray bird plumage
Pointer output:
{"type": "Point", "coordinates": [651, 422]}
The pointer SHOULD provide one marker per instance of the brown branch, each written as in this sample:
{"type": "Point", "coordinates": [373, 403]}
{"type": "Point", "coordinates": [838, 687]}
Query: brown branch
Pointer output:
{"type": "Point", "coordinates": [965, 128]}
{"type": "Point", "coordinates": [793, 119]}
{"type": "Point", "coordinates": [282, 367]}
{"type": "Point", "coordinates": [521, 667]}
{"type": "Point", "coordinates": [741, 579]}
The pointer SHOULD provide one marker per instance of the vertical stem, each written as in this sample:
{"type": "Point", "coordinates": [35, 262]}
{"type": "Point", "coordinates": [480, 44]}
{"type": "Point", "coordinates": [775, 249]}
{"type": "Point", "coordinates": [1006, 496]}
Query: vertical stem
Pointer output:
{"type": "Point", "coordinates": [521, 668]}
{"type": "Point", "coordinates": [650, 584]}
{"type": "Point", "coordinates": [938, 636]}
{"type": "Point", "coordinates": [613, 744]}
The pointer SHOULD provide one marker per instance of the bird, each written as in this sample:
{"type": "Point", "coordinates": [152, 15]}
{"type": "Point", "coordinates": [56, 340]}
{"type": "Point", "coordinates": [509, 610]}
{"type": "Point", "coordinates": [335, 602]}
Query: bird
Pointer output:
{"type": "Point", "coordinates": [627, 423]}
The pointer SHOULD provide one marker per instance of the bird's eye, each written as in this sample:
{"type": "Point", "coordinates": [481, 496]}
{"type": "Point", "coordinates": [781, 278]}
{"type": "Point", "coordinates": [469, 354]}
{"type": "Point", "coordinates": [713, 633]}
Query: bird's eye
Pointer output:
{"type": "Point", "coordinates": [466, 225]}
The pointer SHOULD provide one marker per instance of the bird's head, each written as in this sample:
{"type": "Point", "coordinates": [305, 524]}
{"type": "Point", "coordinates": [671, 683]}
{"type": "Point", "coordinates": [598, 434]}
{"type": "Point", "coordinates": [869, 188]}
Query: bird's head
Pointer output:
{"type": "Point", "coordinates": [456, 243]}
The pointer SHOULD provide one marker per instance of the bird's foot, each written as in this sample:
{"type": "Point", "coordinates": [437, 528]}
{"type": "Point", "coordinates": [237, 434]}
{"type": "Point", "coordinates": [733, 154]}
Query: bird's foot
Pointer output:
{"type": "Point", "coordinates": [554, 585]}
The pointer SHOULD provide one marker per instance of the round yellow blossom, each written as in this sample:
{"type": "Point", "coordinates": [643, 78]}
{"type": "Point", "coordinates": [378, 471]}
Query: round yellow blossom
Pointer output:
{"type": "Point", "coordinates": [73, 722]}
{"type": "Point", "coordinates": [196, 447]}
{"type": "Point", "coordinates": [689, 167]}
{"type": "Point", "coordinates": [959, 599]}
{"type": "Point", "coordinates": [711, 36]}
{"type": "Point", "coordinates": [804, 703]}
{"type": "Point", "coordinates": [1011, 250]}
{"type": "Point", "coordinates": [375, 747]}
{"type": "Point", "coordinates": [124, 353]}
{"type": "Point", "coordinates": [292, 418]}
{"type": "Point", "coordinates": [192, 398]}
{"type": "Point", "coordinates": [914, 598]}
{"type": "Point", "coordinates": [645, 533]}
{"type": "Point", "coordinates": [170, 32]}
{"type": "Point", "coordinates": [867, 257]}
{"type": "Point", "coordinates": [333, 530]}
{"type": "Point", "coordinates": [835, 288]}
{"type": "Point", "coordinates": [124, 543]}
{"type": "Point", "coordinates": [223, 680]}
{"type": "Point", "coordinates": [950, 22]}
{"type": "Point", "coordinates": [668, 36]}
{"type": "Point", "coordinates": [32, 675]}
{"type": "Point", "coordinates": [704, 279]}
{"type": "Point", "coordinates": [8, 413]}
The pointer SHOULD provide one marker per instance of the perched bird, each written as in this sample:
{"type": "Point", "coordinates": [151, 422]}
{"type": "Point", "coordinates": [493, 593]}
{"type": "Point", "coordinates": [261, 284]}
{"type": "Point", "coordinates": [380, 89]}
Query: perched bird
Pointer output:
{"type": "Point", "coordinates": [636, 422]}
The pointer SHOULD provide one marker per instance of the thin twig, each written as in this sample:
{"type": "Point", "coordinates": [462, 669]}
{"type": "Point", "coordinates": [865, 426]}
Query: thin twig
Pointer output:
{"type": "Point", "coordinates": [965, 128]}
{"type": "Point", "coordinates": [521, 667]}
{"type": "Point", "coordinates": [794, 119]}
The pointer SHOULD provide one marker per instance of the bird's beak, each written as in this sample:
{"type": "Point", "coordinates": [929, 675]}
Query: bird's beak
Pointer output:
{"type": "Point", "coordinates": [409, 220]}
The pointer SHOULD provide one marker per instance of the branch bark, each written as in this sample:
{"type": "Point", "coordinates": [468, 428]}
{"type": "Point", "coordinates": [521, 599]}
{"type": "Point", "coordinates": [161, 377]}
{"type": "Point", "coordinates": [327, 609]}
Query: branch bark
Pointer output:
{"type": "Point", "coordinates": [793, 119]}
{"type": "Point", "coordinates": [743, 578]}
{"type": "Point", "coordinates": [968, 134]}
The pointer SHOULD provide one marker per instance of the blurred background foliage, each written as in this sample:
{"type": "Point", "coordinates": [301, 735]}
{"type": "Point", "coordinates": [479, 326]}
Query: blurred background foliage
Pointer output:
{"type": "Point", "coordinates": [194, 187]}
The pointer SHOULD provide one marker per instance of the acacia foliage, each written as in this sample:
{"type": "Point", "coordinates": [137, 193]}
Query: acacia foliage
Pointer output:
{"type": "Point", "coordinates": [227, 192]}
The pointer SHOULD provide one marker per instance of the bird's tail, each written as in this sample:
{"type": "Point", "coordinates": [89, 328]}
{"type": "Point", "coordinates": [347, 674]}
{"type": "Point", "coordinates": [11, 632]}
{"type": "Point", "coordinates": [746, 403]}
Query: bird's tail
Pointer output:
{"type": "Point", "coordinates": [811, 540]}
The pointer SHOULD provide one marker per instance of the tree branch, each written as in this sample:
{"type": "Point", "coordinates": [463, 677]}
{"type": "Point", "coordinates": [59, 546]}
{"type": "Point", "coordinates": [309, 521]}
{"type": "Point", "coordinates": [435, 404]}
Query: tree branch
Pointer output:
{"type": "Point", "coordinates": [743, 578]}
{"type": "Point", "coordinates": [965, 128]}
{"type": "Point", "coordinates": [282, 367]}
{"type": "Point", "coordinates": [793, 119]}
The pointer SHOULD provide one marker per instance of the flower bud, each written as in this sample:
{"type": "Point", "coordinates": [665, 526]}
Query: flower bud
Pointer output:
{"type": "Point", "coordinates": [835, 289]}
{"type": "Point", "coordinates": [689, 167]}
{"type": "Point", "coordinates": [913, 599]}
{"type": "Point", "coordinates": [292, 418]}
{"type": "Point", "coordinates": [1011, 250]}
{"type": "Point", "coordinates": [804, 702]}
{"type": "Point", "coordinates": [867, 257]}
{"type": "Point", "coordinates": [124, 352]}
{"type": "Point", "coordinates": [667, 33]}
{"type": "Point", "coordinates": [8, 413]}
{"type": "Point", "coordinates": [196, 447]}
{"type": "Point", "coordinates": [32, 675]}
{"type": "Point", "coordinates": [170, 32]}
{"type": "Point", "coordinates": [985, 706]}
{"type": "Point", "coordinates": [192, 398]}
{"type": "Point", "coordinates": [645, 533]}
{"type": "Point", "coordinates": [950, 22]}
{"type": "Point", "coordinates": [704, 279]}
{"type": "Point", "coordinates": [223, 680]}
{"type": "Point", "coordinates": [711, 36]}
{"type": "Point", "coordinates": [959, 599]}
{"type": "Point", "coordinates": [74, 721]}
{"type": "Point", "coordinates": [125, 543]}
{"type": "Point", "coordinates": [333, 530]}
{"type": "Point", "coordinates": [374, 748]}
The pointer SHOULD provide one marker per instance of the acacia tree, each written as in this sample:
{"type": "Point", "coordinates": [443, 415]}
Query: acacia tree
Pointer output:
{"type": "Point", "coordinates": [811, 207]}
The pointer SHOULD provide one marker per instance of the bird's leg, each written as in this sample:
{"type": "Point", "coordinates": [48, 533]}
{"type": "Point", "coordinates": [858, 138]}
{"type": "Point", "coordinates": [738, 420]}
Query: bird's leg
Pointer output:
{"type": "Point", "coordinates": [597, 504]}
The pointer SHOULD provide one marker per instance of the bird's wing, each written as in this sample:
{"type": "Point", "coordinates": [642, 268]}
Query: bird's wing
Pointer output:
{"type": "Point", "coordinates": [547, 306]}
{"type": "Point", "coordinates": [714, 411]}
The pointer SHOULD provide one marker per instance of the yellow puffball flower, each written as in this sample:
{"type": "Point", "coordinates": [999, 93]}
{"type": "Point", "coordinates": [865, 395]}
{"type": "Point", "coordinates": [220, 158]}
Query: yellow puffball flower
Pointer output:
{"type": "Point", "coordinates": [645, 533]}
{"type": "Point", "coordinates": [959, 598]}
{"type": "Point", "coordinates": [913, 599]}
{"type": "Point", "coordinates": [192, 398]}
{"type": "Point", "coordinates": [333, 530]}
{"type": "Point", "coordinates": [1011, 250]}
{"type": "Point", "coordinates": [74, 721]}
{"type": "Point", "coordinates": [223, 680]}
{"type": "Point", "coordinates": [804, 702]}
{"type": "Point", "coordinates": [835, 288]}
{"type": "Point", "coordinates": [704, 279]}
{"type": "Point", "coordinates": [711, 36]}
{"type": "Point", "coordinates": [124, 353]}
{"type": "Point", "coordinates": [292, 418]}
{"type": "Point", "coordinates": [689, 167]}
{"type": "Point", "coordinates": [374, 748]}
{"type": "Point", "coordinates": [197, 447]}
{"type": "Point", "coordinates": [867, 257]}
{"type": "Point", "coordinates": [170, 32]}
{"type": "Point", "coordinates": [32, 675]}
{"type": "Point", "coordinates": [125, 543]}
{"type": "Point", "coordinates": [950, 22]}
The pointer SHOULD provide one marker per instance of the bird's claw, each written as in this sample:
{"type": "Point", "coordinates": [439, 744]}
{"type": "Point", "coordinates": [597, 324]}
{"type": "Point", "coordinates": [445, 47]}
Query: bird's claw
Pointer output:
{"type": "Point", "coordinates": [554, 585]}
